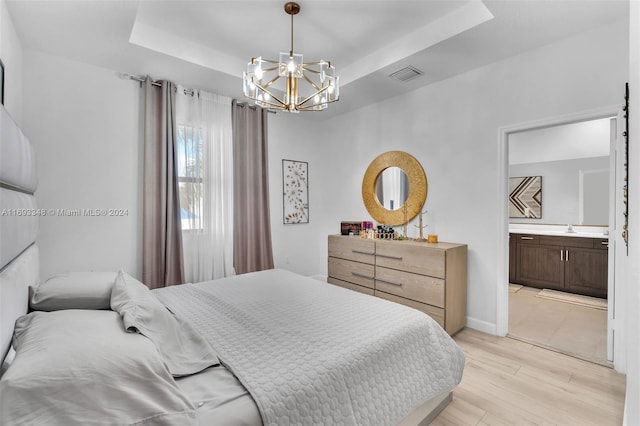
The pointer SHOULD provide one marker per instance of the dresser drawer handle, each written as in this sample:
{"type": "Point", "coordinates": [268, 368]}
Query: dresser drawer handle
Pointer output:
{"type": "Point", "coordinates": [526, 238]}
{"type": "Point", "coordinates": [605, 243]}
{"type": "Point", "coordinates": [363, 252]}
{"type": "Point", "coordinates": [390, 257]}
{"type": "Point", "coordinates": [358, 274]}
{"type": "Point", "coordinates": [389, 282]}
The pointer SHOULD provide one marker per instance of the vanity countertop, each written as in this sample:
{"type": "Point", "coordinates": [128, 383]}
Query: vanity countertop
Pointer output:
{"type": "Point", "coordinates": [560, 230]}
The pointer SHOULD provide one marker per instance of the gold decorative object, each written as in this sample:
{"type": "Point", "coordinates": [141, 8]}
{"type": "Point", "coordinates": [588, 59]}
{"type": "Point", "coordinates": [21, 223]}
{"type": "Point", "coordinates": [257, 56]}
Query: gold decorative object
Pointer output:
{"type": "Point", "coordinates": [417, 188]}
{"type": "Point", "coordinates": [405, 210]}
{"type": "Point", "coordinates": [432, 238]}
{"type": "Point", "coordinates": [421, 226]}
{"type": "Point", "coordinates": [289, 84]}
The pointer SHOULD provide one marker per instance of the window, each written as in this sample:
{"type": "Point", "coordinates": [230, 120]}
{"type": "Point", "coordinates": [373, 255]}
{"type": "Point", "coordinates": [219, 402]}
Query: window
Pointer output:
{"type": "Point", "coordinates": [190, 173]}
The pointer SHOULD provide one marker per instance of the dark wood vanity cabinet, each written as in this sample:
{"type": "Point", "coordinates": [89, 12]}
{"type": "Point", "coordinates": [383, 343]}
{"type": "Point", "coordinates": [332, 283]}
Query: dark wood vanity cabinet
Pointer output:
{"type": "Point", "coordinates": [512, 258]}
{"type": "Point", "coordinates": [589, 272]}
{"type": "Point", "coordinates": [539, 265]}
{"type": "Point", "coordinates": [572, 264]}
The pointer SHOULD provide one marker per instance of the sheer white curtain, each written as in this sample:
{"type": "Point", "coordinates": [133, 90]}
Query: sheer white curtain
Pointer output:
{"type": "Point", "coordinates": [205, 175]}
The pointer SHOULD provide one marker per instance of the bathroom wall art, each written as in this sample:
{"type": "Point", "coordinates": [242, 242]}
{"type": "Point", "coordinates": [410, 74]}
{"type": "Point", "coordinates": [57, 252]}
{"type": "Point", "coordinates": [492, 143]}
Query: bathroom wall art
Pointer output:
{"type": "Point", "coordinates": [525, 197]}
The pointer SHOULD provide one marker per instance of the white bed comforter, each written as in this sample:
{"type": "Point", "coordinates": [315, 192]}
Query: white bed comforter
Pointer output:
{"type": "Point", "coordinates": [313, 353]}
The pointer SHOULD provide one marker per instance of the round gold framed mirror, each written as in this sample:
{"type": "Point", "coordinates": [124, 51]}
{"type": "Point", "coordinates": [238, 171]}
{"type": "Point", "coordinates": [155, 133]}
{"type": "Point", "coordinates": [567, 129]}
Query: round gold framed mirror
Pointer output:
{"type": "Point", "coordinates": [403, 201]}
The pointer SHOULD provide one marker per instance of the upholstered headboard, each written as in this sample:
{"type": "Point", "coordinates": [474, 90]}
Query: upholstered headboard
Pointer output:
{"type": "Point", "coordinates": [19, 256]}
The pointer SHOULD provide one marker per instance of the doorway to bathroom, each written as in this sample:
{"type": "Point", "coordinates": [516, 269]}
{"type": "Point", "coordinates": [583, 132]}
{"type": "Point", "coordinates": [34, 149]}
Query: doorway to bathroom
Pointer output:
{"type": "Point", "coordinates": [561, 179]}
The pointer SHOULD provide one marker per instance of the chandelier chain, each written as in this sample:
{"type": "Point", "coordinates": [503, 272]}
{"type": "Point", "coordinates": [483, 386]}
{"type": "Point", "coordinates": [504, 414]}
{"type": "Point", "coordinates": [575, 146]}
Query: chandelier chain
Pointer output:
{"type": "Point", "coordinates": [291, 51]}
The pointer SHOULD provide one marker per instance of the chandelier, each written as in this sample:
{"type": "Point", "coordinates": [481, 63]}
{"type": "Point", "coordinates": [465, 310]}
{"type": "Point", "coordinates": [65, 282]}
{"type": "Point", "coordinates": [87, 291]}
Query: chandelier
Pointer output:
{"type": "Point", "coordinates": [290, 84]}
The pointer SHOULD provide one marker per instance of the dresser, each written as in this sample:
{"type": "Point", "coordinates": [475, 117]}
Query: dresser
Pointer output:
{"type": "Point", "coordinates": [428, 277]}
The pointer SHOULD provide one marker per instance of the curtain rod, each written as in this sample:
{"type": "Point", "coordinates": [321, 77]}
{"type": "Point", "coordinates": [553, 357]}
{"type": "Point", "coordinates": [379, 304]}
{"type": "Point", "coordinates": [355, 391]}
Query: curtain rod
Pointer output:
{"type": "Point", "coordinates": [142, 79]}
{"type": "Point", "coordinates": [191, 92]}
{"type": "Point", "coordinates": [139, 78]}
{"type": "Point", "coordinates": [254, 107]}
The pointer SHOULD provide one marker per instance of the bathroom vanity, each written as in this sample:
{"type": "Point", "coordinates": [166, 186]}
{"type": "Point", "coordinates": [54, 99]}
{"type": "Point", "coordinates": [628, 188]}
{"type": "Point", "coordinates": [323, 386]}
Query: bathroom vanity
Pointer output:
{"type": "Point", "coordinates": [569, 262]}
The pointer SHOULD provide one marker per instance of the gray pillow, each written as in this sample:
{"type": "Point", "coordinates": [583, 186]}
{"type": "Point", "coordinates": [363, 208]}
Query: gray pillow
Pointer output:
{"type": "Point", "coordinates": [81, 367]}
{"type": "Point", "coordinates": [74, 290]}
{"type": "Point", "coordinates": [183, 350]}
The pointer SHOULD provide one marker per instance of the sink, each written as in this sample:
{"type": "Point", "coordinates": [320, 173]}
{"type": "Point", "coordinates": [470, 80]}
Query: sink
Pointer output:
{"type": "Point", "coordinates": [560, 231]}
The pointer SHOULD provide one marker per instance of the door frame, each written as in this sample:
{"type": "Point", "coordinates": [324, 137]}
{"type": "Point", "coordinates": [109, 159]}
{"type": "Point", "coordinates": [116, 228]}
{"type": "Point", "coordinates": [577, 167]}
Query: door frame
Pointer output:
{"type": "Point", "coordinates": [502, 299]}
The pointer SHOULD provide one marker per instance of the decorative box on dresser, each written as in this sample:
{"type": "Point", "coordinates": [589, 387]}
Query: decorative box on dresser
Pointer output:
{"type": "Point", "coordinates": [428, 277]}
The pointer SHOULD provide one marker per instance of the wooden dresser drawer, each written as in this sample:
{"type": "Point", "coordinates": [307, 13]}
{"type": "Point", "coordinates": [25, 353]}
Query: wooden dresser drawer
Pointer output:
{"type": "Point", "coordinates": [352, 248]}
{"type": "Point", "coordinates": [354, 272]}
{"type": "Point", "coordinates": [421, 288]}
{"type": "Point", "coordinates": [351, 286]}
{"type": "Point", "coordinates": [435, 313]}
{"type": "Point", "coordinates": [412, 257]}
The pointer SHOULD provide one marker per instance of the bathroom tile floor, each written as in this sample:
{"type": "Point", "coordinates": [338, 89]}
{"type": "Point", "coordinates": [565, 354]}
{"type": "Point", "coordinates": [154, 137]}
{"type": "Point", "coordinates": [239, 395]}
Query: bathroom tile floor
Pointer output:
{"type": "Point", "coordinates": [568, 328]}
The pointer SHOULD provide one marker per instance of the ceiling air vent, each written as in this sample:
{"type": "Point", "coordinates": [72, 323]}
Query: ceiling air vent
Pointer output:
{"type": "Point", "coordinates": [406, 73]}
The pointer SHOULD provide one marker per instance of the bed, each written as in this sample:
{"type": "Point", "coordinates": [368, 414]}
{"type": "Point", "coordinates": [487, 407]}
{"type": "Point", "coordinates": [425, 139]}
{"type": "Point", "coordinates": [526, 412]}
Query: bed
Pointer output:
{"type": "Point", "coordinates": [271, 347]}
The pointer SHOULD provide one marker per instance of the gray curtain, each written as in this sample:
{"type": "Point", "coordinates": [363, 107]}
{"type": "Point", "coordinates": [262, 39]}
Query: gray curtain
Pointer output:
{"type": "Point", "coordinates": [252, 225]}
{"type": "Point", "coordinates": [161, 226]}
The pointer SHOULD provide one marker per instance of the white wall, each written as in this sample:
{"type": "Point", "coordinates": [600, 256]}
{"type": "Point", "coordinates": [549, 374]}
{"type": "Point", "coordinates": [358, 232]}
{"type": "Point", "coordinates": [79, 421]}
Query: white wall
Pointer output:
{"type": "Point", "coordinates": [451, 127]}
{"type": "Point", "coordinates": [301, 248]}
{"type": "Point", "coordinates": [83, 123]}
{"type": "Point", "coordinates": [11, 56]}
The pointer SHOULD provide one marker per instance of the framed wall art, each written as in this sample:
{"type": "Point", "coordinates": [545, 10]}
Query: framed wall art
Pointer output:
{"type": "Point", "coordinates": [295, 188]}
{"type": "Point", "coordinates": [525, 197]}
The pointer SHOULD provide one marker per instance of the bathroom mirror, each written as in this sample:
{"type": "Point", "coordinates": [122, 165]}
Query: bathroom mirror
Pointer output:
{"type": "Point", "coordinates": [573, 161]}
{"type": "Point", "coordinates": [407, 186]}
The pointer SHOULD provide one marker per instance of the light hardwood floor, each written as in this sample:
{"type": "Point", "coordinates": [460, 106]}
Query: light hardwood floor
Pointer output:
{"type": "Point", "coordinates": [510, 382]}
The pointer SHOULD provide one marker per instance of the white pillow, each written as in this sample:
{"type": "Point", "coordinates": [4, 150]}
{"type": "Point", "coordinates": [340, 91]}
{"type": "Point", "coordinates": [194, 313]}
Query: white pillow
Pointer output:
{"type": "Point", "coordinates": [81, 367]}
{"type": "Point", "coordinates": [74, 290]}
{"type": "Point", "coordinates": [183, 350]}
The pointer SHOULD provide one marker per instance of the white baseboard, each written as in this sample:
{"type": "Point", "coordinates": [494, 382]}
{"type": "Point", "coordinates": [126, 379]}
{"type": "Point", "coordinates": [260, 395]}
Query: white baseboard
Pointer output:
{"type": "Point", "coordinates": [485, 327]}
{"type": "Point", "coordinates": [319, 277]}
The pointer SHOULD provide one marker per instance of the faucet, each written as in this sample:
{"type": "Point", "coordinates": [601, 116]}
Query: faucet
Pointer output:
{"type": "Point", "coordinates": [570, 229]}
